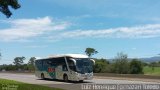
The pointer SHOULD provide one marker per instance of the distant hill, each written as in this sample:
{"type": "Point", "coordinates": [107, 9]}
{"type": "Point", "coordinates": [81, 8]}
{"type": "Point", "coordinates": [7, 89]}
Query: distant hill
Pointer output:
{"type": "Point", "coordinates": [151, 59]}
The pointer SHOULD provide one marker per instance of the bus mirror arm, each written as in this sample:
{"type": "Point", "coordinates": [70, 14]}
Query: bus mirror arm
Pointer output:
{"type": "Point", "coordinates": [73, 61]}
{"type": "Point", "coordinates": [93, 61]}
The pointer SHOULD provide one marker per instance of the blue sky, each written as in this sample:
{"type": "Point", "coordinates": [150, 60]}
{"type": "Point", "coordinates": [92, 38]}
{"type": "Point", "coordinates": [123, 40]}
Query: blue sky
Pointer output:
{"type": "Point", "coordinates": [45, 27]}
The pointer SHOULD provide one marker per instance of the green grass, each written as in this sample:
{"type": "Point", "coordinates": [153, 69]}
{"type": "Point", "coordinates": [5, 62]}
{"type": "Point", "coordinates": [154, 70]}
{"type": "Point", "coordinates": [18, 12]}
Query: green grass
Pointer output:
{"type": "Point", "coordinates": [151, 71]}
{"type": "Point", "coordinates": [14, 85]}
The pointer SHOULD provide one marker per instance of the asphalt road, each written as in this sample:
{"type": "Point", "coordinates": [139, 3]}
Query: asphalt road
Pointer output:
{"type": "Point", "coordinates": [86, 85]}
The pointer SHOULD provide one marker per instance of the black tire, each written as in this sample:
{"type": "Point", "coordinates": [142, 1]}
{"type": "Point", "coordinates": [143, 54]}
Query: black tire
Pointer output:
{"type": "Point", "coordinates": [65, 78]}
{"type": "Point", "coordinates": [42, 76]}
{"type": "Point", "coordinates": [81, 81]}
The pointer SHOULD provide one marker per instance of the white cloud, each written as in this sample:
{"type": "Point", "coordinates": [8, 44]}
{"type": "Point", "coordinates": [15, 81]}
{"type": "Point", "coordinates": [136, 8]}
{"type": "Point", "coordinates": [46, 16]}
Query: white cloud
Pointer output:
{"type": "Point", "coordinates": [22, 29]}
{"type": "Point", "coordinates": [36, 46]}
{"type": "Point", "coordinates": [47, 29]}
{"type": "Point", "coordinates": [145, 31]}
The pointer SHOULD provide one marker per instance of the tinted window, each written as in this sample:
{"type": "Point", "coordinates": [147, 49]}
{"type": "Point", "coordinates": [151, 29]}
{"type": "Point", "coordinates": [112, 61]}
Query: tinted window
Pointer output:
{"type": "Point", "coordinates": [38, 62]}
{"type": "Point", "coordinates": [71, 65]}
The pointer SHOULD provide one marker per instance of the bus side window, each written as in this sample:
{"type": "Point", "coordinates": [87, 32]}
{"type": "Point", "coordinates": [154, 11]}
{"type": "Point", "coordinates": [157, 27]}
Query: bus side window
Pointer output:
{"type": "Point", "coordinates": [44, 63]}
{"type": "Point", "coordinates": [49, 62]}
{"type": "Point", "coordinates": [52, 62]}
{"type": "Point", "coordinates": [39, 63]}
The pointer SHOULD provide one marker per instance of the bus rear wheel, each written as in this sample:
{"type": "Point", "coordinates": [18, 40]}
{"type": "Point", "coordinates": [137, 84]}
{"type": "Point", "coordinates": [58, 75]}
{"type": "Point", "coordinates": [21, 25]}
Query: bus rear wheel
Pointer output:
{"type": "Point", "coordinates": [65, 78]}
{"type": "Point", "coordinates": [42, 76]}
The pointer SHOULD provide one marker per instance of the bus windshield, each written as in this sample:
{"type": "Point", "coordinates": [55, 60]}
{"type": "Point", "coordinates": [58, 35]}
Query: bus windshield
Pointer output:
{"type": "Point", "coordinates": [84, 65]}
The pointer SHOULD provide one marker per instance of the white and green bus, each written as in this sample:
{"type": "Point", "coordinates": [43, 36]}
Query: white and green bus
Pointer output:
{"type": "Point", "coordinates": [74, 67]}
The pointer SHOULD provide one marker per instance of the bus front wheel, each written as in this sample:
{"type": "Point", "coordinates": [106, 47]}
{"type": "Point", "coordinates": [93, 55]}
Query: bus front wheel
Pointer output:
{"type": "Point", "coordinates": [65, 78]}
{"type": "Point", "coordinates": [81, 81]}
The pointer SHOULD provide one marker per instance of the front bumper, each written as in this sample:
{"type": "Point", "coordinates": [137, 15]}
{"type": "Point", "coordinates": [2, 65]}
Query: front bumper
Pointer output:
{"type": "Point", "coordinates": [86, 76]}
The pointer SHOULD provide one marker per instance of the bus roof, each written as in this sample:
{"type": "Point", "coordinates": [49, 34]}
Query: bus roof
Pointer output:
{"type": "Point", "coordinates": [66, 55]}
{"type": "Point", "coordinates": [69, 55]}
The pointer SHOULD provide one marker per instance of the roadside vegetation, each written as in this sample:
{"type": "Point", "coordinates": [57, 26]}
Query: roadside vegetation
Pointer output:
{"type": "Point", "coordinates": [14, 85]}
{"type": "Point", "coordinates": [120, 65]}
{"type": "Point", "coordinates": [19, 65]}
{"type": "Point", "coordinates": [123, 65]}
{"type": "Point", "coordinates": [150, 71]}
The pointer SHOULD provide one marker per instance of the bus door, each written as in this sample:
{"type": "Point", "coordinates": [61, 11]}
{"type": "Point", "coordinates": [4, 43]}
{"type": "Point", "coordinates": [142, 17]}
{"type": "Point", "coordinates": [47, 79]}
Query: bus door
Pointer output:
{"type": "Point", "coordinates": [72, 69]}
{"type": "Point", "coordinates": [51, 68]}
{"type": "Point", "coordinates": [61, 68]}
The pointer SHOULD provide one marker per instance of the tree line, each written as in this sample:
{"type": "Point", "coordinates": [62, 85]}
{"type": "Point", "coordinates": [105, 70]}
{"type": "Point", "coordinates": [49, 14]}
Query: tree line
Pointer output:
{"type": "Point", "coordinates": [19, 65]}
{"type": "Point", "coordinates": [121, 64]}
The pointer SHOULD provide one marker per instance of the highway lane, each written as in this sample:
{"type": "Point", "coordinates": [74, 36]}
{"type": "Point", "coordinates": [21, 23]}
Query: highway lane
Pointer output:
{"type": "Point", "coordinates": [27, 78]}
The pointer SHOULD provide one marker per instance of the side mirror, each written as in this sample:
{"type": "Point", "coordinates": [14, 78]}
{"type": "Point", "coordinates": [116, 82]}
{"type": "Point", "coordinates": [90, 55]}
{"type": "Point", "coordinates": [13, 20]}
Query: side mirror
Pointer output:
{"type": "Point", "coordinates": [74, 61]}
{"type": "Point", "coordinates": [93, 61]}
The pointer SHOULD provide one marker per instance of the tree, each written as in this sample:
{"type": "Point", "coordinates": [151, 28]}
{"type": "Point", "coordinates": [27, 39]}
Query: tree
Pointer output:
{"type": "Point", "coordinates": [101, 65]}
{"type": "Point", "coordinates": [18, 61]}
{"type": "Point", "coordinates": [31, 63]}
{"type": "Point", "coordinates": [4, 6]}
{"type": "Point", "coordinates": [120, 64]}
{"type": "Point", "coordinates": [136, 66]}
{"type": "Point", "coordinates": [90, 51]}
